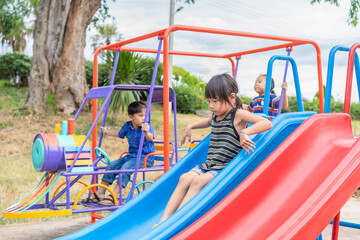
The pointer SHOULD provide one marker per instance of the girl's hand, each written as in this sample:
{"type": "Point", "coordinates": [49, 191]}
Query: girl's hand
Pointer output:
{"type": "Point", "coordinates": [246, 143]}
{"type": "Point", "coordinates": [186, 134]}
{"type": "Point", "coordinates": [284, 85]}
{"type": "Point", "coordinates": [103, 130]}
{"type": "Point", "coordinates": [145, 127]}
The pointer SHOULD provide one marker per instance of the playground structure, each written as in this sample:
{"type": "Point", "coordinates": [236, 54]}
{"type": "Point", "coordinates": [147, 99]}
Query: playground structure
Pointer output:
{"type": "Point", "coordinates": [69, 155]}
{"type": "Point", "coordinates": [147, 207]}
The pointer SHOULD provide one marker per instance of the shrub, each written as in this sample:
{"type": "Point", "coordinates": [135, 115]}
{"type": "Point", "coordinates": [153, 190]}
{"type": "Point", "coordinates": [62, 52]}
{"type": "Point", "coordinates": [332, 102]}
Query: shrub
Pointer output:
{"type": "Point", "coordinates": [103, 73]}
{"type": "Point", "coordinates": [15, 67]}
{"type": "Point", "coordinates": [292, 105]}
{"type": "Point", "coordinates": [146, 75]}
{"type": "Point", "coordinates": [246, 100]}
{"type": "Point", "coordinates": [355, 111]}
{"type": "Point", "coordinates": [188, 100]}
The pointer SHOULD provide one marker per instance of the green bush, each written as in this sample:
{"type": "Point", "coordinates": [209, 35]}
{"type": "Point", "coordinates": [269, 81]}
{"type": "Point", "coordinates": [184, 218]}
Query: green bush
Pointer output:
{"type": "Point", "coordinates": [292, 105]}
{"type": "Point", "coordinates": [188, 100]}
{"type": "Point", "coordinates": [246, 100]}
{"type": "Point", "coordinates": [146, 75]}
{"type": "Point", "coordinates": [16, 68]}
{"type": "Point", "coordinates": [355, 111]}
{"type": "Point", "coordinates": [188, 79]}
{"type": "Point", "coordinates": [103, 73]}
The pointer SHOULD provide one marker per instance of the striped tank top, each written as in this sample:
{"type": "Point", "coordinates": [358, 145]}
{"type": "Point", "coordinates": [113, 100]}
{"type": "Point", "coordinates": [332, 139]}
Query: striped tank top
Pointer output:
{"type": "Point", "coordinates": [224, 142]}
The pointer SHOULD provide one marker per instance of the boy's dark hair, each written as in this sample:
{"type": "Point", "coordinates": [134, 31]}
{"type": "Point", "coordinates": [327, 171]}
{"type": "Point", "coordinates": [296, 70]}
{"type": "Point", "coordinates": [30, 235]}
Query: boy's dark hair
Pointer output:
{"type": "Point", "coordinates": [222, 86]}
{"type": "Point", "coordinates": [272, 85]}
{"type": "Point", "coordinates": [135, 107]}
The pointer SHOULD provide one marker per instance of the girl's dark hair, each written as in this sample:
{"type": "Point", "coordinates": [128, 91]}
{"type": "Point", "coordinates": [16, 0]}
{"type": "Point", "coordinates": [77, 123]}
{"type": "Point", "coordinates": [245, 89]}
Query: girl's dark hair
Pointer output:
{"type": "Point", "coordinates": [135, 107]}
{"type": "Point", "coordinates": [272, 86]}
{"type": "Point", "coordinates": [222, 86]}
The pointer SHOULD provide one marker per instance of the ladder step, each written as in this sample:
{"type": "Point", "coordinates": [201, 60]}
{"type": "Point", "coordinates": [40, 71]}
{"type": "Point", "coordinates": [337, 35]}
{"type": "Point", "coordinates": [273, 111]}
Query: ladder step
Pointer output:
{"type": "Point", "coordinates": [70, 156]}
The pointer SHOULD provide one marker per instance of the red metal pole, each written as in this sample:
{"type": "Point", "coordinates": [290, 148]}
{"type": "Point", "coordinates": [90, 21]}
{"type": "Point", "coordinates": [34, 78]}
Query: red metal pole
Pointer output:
{"type": "Point", "coordinates": [321, 89]}
{"type": "Point", "coordinates": [349, 77]}
{"type": "Point", "coordinates": [166, 100]}
{"type": "Point", "coordinates": [336, 224]}
{"type": "Point", "coordinates": [232, 65]}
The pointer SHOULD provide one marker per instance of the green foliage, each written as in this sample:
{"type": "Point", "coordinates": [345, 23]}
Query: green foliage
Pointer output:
{"type": "Point", "coordinates": [353, 11]}
{"type": "Point", "coordinates": [14, 22]}
{"type": "Point", "coordinates": [129, 68]}
{"type": "Point", "coordinates": [5, 83]}
{"type": "Point", "coordinates": [103, 73]}
{"type": "Point", "coordinates": [292, 105]}
{"type": "Point", "coordinates": [105, 35]}
{"type": "Point", "coordinates": [102, 13]}
{"type": "Point", "coordinates": [312, 106]}
{"type": "Point", "coordinates": [15, 67]}
{"type": "Point", "coordinates": [188, 79]}
{"type": "Point", "coordinates": [335, 107]}
{"type": "Point", "coordinates": [246, 100]}
{"type": "Point", "coordinates": [146, 75]}
{"type": "Point", "coordinates": [355, 111]}
{"type": "Point", "coordinates": [188, 99]}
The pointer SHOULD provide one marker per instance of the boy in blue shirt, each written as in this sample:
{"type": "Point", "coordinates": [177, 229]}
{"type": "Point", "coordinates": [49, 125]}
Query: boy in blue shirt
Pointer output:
{"type": "Point", "coordinates": [257, 104]}
{"type": "Point", "coordinates": [132, 131]}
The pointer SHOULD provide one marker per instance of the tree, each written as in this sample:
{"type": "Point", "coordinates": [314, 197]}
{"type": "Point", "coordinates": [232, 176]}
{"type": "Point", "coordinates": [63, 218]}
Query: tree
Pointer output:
{"type": "Point", "coordinates": [353, 12]}
{"type": "Point", "coordinates": [58, 63]}
{"type": "Point", "coordinates": [13, 26]}
{"type": "Point", "coordinates": [129, 70]}
{"type": "Point", "coordinates": [107, 34]}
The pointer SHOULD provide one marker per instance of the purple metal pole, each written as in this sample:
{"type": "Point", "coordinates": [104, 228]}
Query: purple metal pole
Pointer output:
{"type": "Point", "coordinates": [67, 192]}
{"type": "Point", "coordinates": [147, 114]}
{"type": "Point", "coordinates": [107, 99]}
{"type": "Point", "coordinates": [175, 127]}
{"type": "Point", "coordinates": [285, 73]}
{"type": "Point", "coordinates": [107, 106]}
{"type": "Point", "coordinates": [120, 189]}
{"type": "Point", "coordinates": [236, 68]}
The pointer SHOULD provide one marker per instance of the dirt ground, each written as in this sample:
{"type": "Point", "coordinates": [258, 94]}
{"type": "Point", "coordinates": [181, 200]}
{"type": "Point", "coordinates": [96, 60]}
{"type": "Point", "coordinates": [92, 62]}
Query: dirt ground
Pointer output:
{"type": "Point", "coordinates": [51, 230]}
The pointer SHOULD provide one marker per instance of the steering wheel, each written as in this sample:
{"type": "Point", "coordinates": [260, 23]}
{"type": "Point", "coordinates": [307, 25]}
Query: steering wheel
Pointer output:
{"type": "Point", "coordinates": [101, 153]}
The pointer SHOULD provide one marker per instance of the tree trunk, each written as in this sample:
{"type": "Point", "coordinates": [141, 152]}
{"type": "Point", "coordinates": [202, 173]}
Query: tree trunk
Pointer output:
{"type": "Point", "coordinates": [58, 63]}
{"type": "Point", "coordinates": [39, 73]}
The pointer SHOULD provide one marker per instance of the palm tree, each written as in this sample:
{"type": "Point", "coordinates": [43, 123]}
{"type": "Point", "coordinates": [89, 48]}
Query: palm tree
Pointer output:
{"type": "Point", "coordinates": [129, 68]}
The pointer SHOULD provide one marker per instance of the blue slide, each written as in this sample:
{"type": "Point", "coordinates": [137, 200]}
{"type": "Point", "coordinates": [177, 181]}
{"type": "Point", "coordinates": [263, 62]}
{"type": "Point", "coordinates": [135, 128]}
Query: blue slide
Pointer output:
{"type": "Point", "coordinates": [135, 219]}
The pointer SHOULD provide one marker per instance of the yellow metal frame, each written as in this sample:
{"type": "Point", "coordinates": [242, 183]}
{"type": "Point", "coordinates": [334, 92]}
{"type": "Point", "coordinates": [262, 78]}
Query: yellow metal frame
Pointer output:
{"type": "Point", "coordinates": [58, 188]}
{"type": "Point", "coordinates": [116, 202]}
{"type": "Point", "coordinates": [52, 213]}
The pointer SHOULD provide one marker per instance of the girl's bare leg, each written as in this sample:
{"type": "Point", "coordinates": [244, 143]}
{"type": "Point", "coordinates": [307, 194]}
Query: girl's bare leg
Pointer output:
{"type": "Point", "coordinates": [198, 183]}
{"type": "Point", "coordinates": [178, 194]}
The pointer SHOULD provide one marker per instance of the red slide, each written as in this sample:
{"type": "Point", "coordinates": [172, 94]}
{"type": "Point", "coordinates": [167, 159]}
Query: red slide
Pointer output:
{"type": "Point", "coordinates": [295, 192]}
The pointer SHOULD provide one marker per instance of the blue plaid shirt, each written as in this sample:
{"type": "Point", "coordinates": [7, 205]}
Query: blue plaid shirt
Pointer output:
{"type": "Point", "coordinates": [133, 135]}
{"type": "Point", "coordinates": [257, 105]}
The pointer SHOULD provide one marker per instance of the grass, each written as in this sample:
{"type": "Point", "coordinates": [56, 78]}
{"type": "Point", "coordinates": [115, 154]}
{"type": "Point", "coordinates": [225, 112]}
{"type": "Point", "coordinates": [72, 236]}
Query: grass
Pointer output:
{"type": "Point", "coordinates": [18, 128]}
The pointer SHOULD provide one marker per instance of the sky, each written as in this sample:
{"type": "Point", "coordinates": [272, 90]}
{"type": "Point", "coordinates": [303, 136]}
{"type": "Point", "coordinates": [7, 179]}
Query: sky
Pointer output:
{"type": "Point", "coordinates": [323, 23]}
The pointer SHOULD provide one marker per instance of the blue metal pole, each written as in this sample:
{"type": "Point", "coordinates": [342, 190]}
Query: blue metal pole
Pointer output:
{"type": "Point", "coordinates": [236, 68]}
{"type": "Point", "coordinates": [268, 82]}
{"type": "Point", "coordinates": [330, 73]}
{"type": "Point", "coordinates": [285, 74]}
